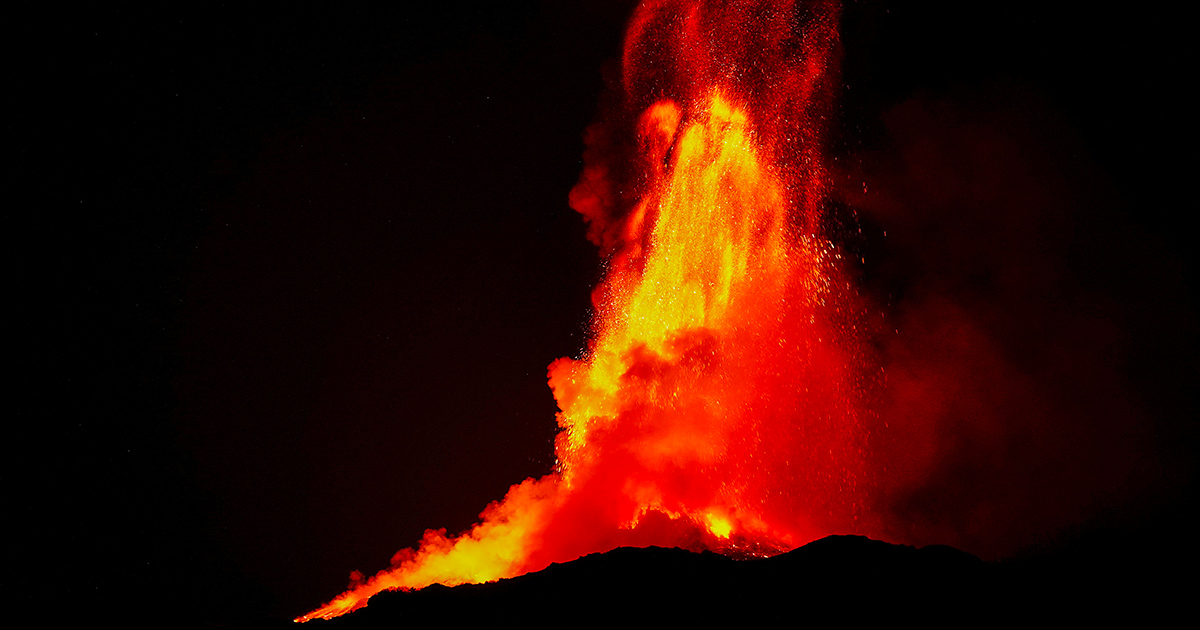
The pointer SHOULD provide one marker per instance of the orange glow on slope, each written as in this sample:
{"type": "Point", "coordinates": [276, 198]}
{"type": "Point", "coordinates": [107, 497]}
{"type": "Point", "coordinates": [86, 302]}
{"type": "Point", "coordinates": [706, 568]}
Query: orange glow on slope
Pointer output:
{"type": "Point", "coordinates": [718, 404]}
{"type": "Point", "coordinates": [718, 525]}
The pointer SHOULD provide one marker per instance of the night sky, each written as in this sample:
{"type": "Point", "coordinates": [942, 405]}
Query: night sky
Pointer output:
{"type": "Point", "coordinates": [287, 282]}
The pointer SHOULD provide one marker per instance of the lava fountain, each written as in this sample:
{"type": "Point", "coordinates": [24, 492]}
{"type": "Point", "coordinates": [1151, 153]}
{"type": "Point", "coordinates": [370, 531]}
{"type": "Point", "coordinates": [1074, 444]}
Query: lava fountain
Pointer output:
{"type": "Point", "coordinates": [719, 403]}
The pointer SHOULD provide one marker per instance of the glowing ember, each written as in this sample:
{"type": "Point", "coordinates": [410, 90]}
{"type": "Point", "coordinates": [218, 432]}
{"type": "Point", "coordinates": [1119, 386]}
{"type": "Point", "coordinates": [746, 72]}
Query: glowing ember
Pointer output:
{"type": "Point", "coordinates": [718, 405]}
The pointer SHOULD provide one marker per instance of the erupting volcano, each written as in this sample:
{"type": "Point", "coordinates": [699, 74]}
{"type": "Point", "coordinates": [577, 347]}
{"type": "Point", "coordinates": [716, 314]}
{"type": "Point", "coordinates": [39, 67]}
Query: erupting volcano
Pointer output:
{"type": "Point", "coordinates": [848, 310]}
{"type": "Point", "coordinates": [746, 389]}
{"type": "Point", "coordinates": [718, 404]}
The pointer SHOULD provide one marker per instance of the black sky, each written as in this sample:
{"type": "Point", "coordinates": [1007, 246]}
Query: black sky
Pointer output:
{"type": "Point", "coordinates": [287, 282]}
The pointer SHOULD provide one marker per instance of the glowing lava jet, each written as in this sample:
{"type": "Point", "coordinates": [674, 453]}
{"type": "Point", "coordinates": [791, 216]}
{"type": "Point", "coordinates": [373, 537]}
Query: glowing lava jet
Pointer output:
{"type": "Point", "coordinates": [718, 404]}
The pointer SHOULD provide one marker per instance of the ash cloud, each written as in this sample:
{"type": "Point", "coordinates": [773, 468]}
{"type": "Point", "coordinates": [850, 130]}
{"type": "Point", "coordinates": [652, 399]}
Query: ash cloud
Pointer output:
{"type": "Point", "coordinates": [1026, 319]}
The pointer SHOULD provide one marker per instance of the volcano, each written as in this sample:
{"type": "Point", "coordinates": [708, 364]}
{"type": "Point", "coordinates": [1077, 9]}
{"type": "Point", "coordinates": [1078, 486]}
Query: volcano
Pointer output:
{"type": "Point", "coordinates": [831, 580]}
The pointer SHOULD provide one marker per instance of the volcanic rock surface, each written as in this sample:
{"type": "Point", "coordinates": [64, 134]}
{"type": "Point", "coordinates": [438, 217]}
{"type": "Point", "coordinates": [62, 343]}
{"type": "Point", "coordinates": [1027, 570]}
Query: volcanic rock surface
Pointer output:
{"type": "Point", "coordinates": [842, 580]}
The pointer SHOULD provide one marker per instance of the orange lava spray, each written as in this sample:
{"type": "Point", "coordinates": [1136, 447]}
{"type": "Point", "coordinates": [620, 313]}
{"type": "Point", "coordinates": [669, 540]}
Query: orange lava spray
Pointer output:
{"type": "Point", "coordinates": [719, 403]}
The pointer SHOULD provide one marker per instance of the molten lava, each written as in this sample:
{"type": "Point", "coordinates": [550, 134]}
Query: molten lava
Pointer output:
{"type": "Point", "coordinates": [719, 403]}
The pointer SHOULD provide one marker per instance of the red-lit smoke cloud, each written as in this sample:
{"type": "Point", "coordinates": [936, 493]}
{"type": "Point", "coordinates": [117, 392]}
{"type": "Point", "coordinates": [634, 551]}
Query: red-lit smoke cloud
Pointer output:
{"type": "Point", "coordinates": [1008, 412]}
